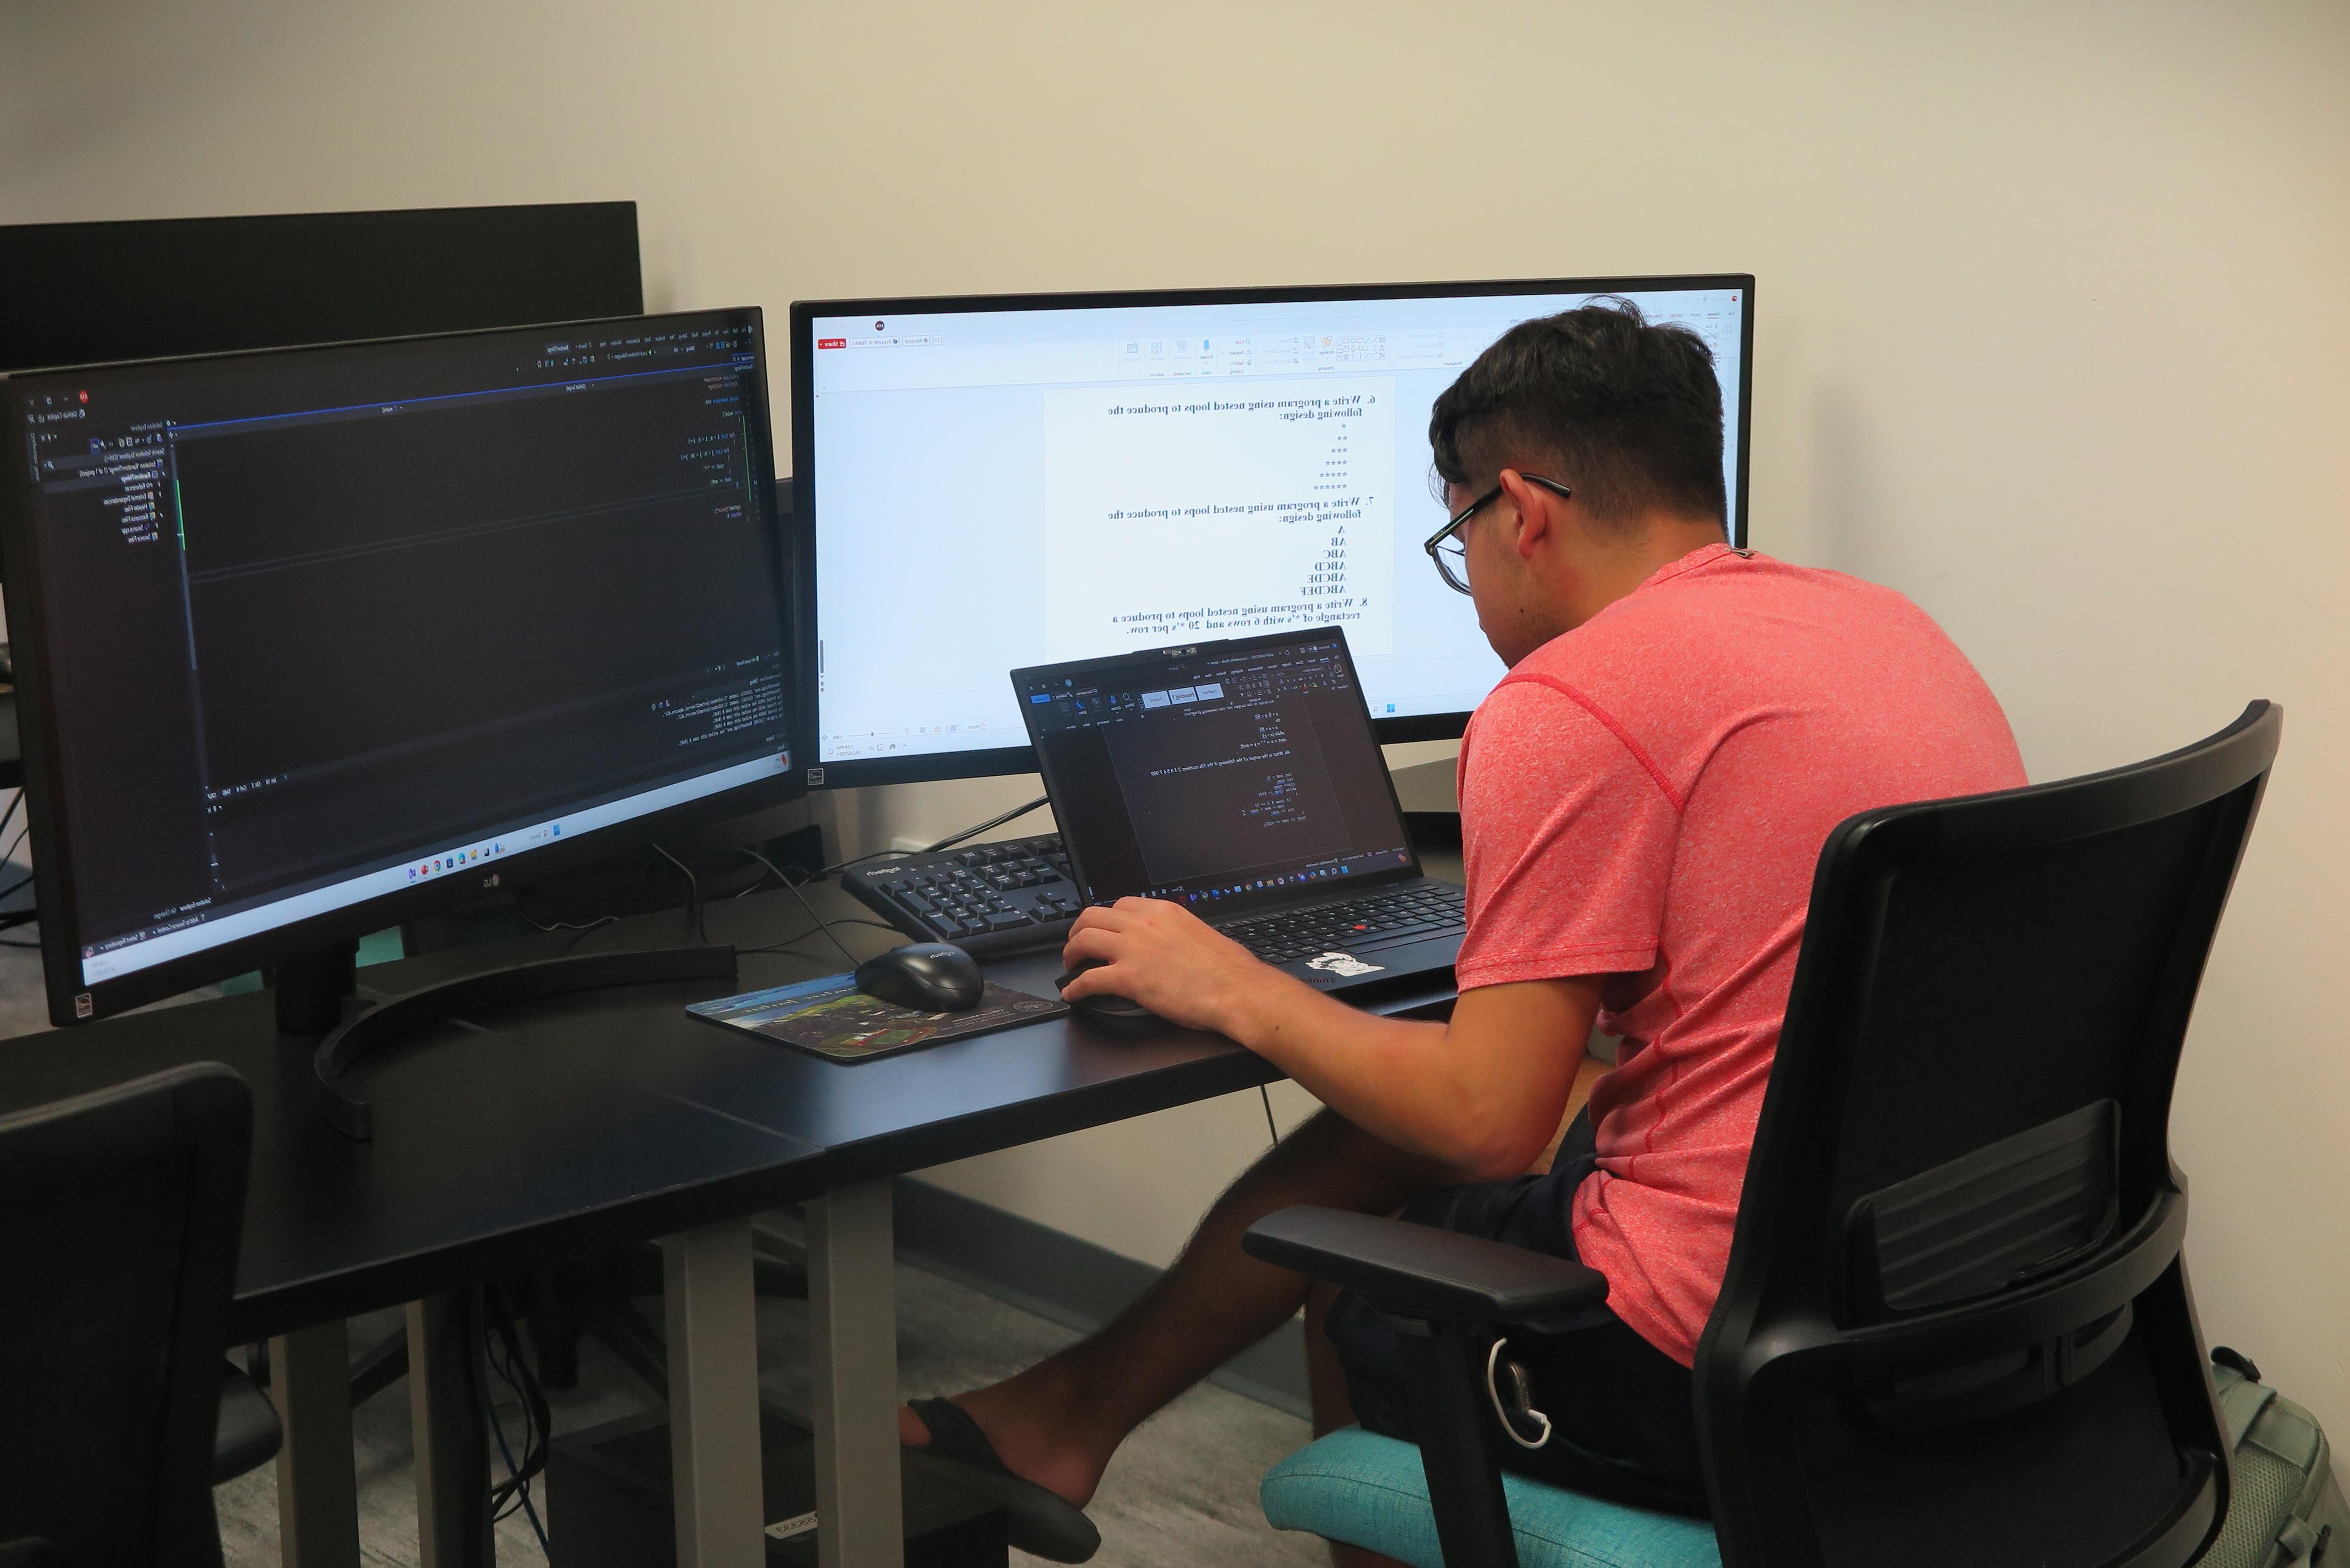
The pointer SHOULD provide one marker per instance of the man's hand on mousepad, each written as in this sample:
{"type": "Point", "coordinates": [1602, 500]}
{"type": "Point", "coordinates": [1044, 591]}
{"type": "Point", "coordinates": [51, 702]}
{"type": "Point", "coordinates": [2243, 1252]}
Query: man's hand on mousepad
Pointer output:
{"type": "Point", "coordinates": [832, 1018]}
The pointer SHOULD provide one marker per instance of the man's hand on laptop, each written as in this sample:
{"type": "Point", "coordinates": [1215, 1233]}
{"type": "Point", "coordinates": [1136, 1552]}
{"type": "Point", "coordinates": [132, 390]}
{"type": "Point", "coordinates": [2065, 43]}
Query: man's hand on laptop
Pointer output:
{"type": "Point", "coordinates": [1480, 1094]}
{"type": "Point", "coordinates": [1171, 962]}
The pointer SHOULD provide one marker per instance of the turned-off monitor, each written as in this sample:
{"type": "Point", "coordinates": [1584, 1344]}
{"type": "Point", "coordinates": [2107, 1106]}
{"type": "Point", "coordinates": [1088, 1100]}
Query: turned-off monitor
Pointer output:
{"type": "Point", "coordinates": [79, 294]}
{"type": "Point", "coordinates": [989, 483]}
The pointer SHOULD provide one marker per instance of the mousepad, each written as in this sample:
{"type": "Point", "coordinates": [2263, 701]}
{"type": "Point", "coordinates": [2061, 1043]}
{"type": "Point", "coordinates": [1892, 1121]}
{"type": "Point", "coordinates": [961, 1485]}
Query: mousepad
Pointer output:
{"type": "Point", "coordinates": [832, 1018]}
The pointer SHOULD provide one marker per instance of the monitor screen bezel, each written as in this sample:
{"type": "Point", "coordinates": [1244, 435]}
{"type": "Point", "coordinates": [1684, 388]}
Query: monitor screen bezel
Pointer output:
{"type": "Point", "coordinates": [50, 813]}
{"type": "Point", "coordinates": [1001, 760]}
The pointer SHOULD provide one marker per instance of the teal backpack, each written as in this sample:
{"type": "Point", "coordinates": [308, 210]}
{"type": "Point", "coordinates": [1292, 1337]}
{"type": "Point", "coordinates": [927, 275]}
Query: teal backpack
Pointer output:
{"type": "Point", "coordinates": [2286, 1510]}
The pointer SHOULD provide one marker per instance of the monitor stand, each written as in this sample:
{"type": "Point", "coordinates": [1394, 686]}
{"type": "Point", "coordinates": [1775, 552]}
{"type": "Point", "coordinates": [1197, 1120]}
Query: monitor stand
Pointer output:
{"type": "Point", "coordinates": [388, 1021]}
{"type": "Point", "coordinates": [311, 989]}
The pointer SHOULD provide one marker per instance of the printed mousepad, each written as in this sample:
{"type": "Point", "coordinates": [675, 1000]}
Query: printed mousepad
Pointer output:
{"type": "Point", "coordinates": [832, 1018]}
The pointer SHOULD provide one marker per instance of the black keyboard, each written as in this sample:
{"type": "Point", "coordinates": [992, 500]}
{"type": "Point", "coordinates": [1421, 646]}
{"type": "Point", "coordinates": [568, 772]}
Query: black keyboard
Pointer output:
{"type": "Point", "coordinates": [1374, 920]}
{"type": "Point", "coordinates": [1007, 896]}
{"type": "Point", "coordinates": [987, 898]}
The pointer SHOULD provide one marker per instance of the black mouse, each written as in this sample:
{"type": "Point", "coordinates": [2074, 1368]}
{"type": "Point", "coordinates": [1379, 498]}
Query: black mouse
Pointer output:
{"type": "Point", "coordinates": [928, 977]}
{"type": "Point", "coordinates": [1102, 1002]}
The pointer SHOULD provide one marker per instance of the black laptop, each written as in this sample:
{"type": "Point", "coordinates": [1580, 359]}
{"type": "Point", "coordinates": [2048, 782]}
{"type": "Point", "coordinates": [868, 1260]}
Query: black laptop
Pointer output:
{"type": "Point", "coordinates": [1242, 778]}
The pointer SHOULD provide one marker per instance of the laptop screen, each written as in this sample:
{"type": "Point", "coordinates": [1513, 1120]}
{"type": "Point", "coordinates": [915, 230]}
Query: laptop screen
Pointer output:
{"type": "Point", "coordinates": [1222, 773]}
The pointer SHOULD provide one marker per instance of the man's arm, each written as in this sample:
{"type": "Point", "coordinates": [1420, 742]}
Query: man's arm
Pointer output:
{"type": "Point", "coordinates": [1482, 1094]}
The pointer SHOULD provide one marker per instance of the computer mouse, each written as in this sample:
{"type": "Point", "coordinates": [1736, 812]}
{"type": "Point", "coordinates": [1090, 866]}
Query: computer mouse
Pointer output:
{"type": "Point", "coordinates": [1102, 1004]}
{"type": "Point", "coordinates": [928, 977]}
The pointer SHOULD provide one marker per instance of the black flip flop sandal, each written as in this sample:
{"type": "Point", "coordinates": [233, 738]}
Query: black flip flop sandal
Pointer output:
{"type": "Point", "coordinates": [1038, 1521]}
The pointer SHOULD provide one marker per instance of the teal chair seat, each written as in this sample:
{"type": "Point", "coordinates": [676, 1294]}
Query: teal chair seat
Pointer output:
{"type": "Point", "coordinates": [1370, 1491]}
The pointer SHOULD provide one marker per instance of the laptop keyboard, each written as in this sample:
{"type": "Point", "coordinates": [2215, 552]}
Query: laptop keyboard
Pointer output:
{"type": "Point", "coordinates": [1374, 920]}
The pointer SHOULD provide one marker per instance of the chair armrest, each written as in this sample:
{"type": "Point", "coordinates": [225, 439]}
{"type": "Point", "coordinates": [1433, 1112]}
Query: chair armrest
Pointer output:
{"type": "Point", "coordinates": [1419, 1271]}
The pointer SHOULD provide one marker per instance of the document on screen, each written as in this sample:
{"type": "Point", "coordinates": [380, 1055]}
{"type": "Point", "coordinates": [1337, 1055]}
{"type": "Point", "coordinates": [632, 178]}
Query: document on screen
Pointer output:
{"type": "Point", "coordinates": [1209, 512]}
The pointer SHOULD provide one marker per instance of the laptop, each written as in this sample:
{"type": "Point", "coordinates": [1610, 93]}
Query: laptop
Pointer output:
{"type": "Point", "coordinates": [1241, 778]}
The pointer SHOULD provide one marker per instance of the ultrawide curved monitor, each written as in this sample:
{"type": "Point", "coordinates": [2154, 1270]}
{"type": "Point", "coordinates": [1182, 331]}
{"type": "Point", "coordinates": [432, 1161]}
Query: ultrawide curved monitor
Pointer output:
{"type": "Point", "coordinates": [992, 483]}
{"type": "Point", "coordinates": [313, 640]}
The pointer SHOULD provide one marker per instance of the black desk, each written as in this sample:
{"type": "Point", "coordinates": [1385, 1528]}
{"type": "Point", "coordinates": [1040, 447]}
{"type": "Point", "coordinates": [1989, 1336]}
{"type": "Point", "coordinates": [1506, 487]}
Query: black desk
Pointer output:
{"type": "Point", "coordinates": [531, 1158]}
{"type": "Point", "coordinates": [525, 1159]}
{"type": "Point", "coordinates": [872, 1121]}
{"type": "Point", "coordinates": [553, 1129]}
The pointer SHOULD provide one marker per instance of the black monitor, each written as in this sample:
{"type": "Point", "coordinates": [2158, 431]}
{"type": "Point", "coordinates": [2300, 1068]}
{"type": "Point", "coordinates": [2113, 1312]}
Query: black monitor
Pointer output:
{"type": "Point", "coordinates": [81, 294]}
{"type": "Point", "coordinates": [313, 640]}
{"type": "Point", "coordinates": [994, 483]}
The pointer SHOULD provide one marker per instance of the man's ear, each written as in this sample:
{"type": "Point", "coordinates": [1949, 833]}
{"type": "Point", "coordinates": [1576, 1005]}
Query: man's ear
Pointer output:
{"type": "Point", "coordinates": [1536, 510]}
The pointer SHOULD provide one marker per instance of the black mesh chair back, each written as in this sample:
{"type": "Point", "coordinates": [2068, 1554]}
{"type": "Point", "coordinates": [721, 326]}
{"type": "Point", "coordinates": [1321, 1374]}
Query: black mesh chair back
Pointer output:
{"type": "Point", "coordinates": [1955, 1327]}
{"type": "Point", "coordinates": [120, 1217]}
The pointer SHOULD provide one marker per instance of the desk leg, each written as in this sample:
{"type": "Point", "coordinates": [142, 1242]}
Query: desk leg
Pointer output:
{"type": "Point", "coordinates": [446, 1371]}
{"type": "Point", "coordinates": [318, 1476]}
{"type": "Point", "coordinates": [713, 1398]}
{"type": "Point", "coordinates": [853, 1355]}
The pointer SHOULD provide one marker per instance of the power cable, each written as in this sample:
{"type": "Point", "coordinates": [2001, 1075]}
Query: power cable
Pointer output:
{"type": "Point", "coordinates": [949, 842]}
{"type": "Point", "coordinates": [793, 888]}
{"type": "Point", "coordinates": [566, 925]}
{"type": "Point", "coordinates": [694, 921]}
{"type": "Point", "coordinates": [514, 1370]}
{"type": "Point", "coordinates": [996, 821]}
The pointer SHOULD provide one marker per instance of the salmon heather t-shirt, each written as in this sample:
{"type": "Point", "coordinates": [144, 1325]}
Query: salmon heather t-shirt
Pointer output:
{"type": "Point", "coordinates": [1645, 798]}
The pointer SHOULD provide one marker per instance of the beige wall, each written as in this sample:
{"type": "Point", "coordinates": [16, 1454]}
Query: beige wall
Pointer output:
{"type": "Point", "coordinates": [2053, 336]}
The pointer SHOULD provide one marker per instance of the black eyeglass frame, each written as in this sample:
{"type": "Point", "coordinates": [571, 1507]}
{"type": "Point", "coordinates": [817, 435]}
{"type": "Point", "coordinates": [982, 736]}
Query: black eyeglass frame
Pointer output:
{"type": "Point", "coordinates": [1436, 541]}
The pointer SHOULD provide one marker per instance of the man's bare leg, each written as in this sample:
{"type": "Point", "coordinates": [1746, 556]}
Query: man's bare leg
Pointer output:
{"type": "Point", "coordinates": [1326, 1379]}
{"type": "Point", "coordinates": [1058, 1423]}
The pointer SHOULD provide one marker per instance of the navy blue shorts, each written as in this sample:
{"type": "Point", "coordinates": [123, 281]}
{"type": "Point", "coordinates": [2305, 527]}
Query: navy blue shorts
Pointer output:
{"type": "Point", "coordinates": [1623, 1425]}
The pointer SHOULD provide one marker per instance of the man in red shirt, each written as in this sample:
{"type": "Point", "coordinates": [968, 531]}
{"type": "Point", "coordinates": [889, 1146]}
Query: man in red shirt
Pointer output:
{"type": "Point", "coordinates": [1643, 798]}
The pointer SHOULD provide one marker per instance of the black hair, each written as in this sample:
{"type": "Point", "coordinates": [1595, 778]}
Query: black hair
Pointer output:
{"type": "Point", "coordinates": [1626, 414]}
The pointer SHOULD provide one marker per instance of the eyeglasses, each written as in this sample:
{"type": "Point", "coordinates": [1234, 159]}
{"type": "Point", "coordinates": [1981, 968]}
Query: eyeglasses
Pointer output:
{"type": "Point", "coordinates": [1444, 546]}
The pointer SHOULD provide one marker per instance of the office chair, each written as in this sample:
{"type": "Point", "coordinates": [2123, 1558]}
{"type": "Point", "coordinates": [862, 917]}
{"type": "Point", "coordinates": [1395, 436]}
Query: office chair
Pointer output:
{"type": "Point", "coordinates": [1956, 1327]}
{"type": "Point", "coordinates": [120, 1217]}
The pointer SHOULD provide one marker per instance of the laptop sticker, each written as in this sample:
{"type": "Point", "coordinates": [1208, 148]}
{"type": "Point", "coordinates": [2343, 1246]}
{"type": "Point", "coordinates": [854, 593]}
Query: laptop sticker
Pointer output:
{"type": "Point", "coordinates": [1344, 965]}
